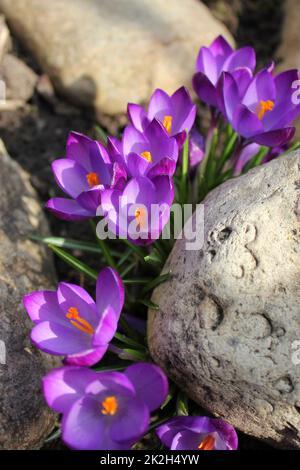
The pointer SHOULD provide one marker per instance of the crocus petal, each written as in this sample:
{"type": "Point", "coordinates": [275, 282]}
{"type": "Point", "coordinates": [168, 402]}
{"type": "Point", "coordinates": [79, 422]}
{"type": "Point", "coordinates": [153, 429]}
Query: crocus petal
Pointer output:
{"type": "Point", "coordinates": [110, 291]}
{"type": "Point", "coordinates": [161, 145]}
{"type": "Point", "coordinates": [59, 340]}
{"type": "Point", "coordinates": [84, 428]}
{"type": "Point", "coordinates": [246, 123]}
{"type": "Point", "coordinates": [137, 116]}
{"type": "Point", "coordinates": [70, 176]}
{"type": "Point", "coordinates": [133, 141]}
{"type": "Point", "coordinates": [220, 47]}
{"type": "Point", "coordinates": [91, 199]}
{"type": "Point", "coordinates": [132, 423]}
{"type": "Point", "coordinates": [261, 88]}
{"type": "Point", "coordinates": [227, 433]}
{"type": "Point", "coordinates": [150, 382]}
{"type": "Point", "coordinates": [119, 176]}
{"type": "Point", "coordinates": [114, 147]}
{"type": "Point", "coordinates": [283, 84]}
{"type": "Point", "coordinates": [206, 64]}
{"type": "Point", "coordinates": [186, 440]}
{"type": "Point", "coordinates": [137, 165]}
{"type": "Point", "coordinates": [42, 305]}
{"type": "Point", "coordinates": [106, 329]}
{"type": "Point", "coordinates": [180, 138]}
{"type": "Point", "coordinates": [228, 95]}
{"type": "Point", "coordinates": [71, 295]}
{"type": "Point", "coordinates": [159, 105]}
{"type": "Point", "coordinates": [184, 117]}
{"type": "Point", "coordinates": [275, 138]}
{"type": "Point", "coordinates": [243, 57]}
{"type": "Point", "coordinates": [243, 77]}
{"type": "Point", "coordinates": [166, 166]}
{"type": "Point", "coordinates": [83, 149]}
{"type": "Point", "coordinates": [87, 358]}
{"type": "Point", "coordinates": [205, 90]}
{"type": "Point", "coordinates": [248, 152]}
{"type": "Point", "coordinates": [63, 386]}
{"type": "Point", "coordinates": [67, 209]}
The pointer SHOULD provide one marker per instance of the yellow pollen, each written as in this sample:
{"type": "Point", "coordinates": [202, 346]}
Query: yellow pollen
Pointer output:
{"type": "Point", "coordinates": [147, 156]}
{"type": "Point", "coordinates": [167, 123]}
{"type": "Point", "coordinates": [93, 179]}
{"type": "Point", "coordinates": [207, 443]}
{"type": "Point", "coordinates": [79, 322]}
{"type": "Point", "coordinates": [140, 217]}
{"type": "Point", "coordinates": [109, 406]}
{"type": "Point", "coordinates": [263, 107]}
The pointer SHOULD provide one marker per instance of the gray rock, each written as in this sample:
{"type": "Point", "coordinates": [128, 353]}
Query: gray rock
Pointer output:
{"type": "Point", "coordinates": [25, 419]}
{"type": "Point", "coordinates": [5, 41]}
{"type": "Point", "coordinates": [20, 79]}
{"type": "Point", "coordinates": [228, 326]}
{"type": "Point", "coordinates": [107, 53]}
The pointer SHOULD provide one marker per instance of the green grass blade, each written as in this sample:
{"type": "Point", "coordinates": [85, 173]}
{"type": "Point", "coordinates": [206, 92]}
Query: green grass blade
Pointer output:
{"type": "Point", "coordinates": [74, 262]}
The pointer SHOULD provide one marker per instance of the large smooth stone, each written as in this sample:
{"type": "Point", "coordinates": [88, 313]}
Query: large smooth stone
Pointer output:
{"type": "Point", "coordinates": [228, 325]}
{"type": "Point", "coordinates": [108, 53]}
{"type": "Point", "coordinates": [25, 419]}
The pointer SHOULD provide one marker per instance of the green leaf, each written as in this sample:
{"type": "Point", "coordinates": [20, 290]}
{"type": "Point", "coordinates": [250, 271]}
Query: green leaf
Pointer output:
{"type": "Point", "coordinates": [182, 407]}
{"type": "Point", "coordinates": [130, 342]}
{"type": "Point", "coordinates": [154, 258]}
{"type": "Point", "coordinates": [228, 150]}
{"type": "Point", "coordinates": [100, 134]}
{"type": "Point", "coordinates": [67, 243]}
{"type": "Point", "coordinates": [136, 281]}
{"type": "Point", "coordinates": [149, 304]}
{"type": "Point", "coordinates": [155, 282]}
{"type": "Point", "coordinates": [55, 435]}
{"type": "Point", "coordinates": [74, 262]}
{"type": "Point", "coordinates": [133, 355]}
{"type": "Point", "coordinates": [104, 248]}
{"type": "Point", "coordinates": [184, 171]}
{"type": "Point", "coordinates": [256, 160]}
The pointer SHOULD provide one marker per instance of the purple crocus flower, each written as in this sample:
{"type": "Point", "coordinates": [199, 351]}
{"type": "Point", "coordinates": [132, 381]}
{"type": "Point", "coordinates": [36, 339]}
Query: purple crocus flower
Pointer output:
{"type": "Point", "coordinates": [139, 212]}
{"type": "Point", "coordinates": [214, 60]}
{"type": "Point", "coordinates": [83, 175]}
{"type": "Point", "coordinates": [69, 323]}
{"type": "Point", "coordinates": [149, 153]}
{"type": "Point", "coordinates": [197, 433]}
{"type": "Point", "coordinates": [177, 113]}
{"type": "Point", "coordinates": [105, 410]}
{"type": "Point", "coordinates": [264, 111]}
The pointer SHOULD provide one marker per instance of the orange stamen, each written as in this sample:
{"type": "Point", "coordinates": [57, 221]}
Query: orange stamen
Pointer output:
{"type": "Point", "coordinates": [208, 443]}
{"type": "Point", "coordinates": [263, 107]}
{"type": "Point", "coordinates": [79, 322]}
{"type": "Point", "coordinates": [109, 406]}
{"type": "Point", "coordinates": [167, 123]}
{"type": "Point", "coordinates": [93, 179]}
{"type": "Point", "coordinates": [140, 217]}
{"type": "Point", "coordinates": [147, 156]}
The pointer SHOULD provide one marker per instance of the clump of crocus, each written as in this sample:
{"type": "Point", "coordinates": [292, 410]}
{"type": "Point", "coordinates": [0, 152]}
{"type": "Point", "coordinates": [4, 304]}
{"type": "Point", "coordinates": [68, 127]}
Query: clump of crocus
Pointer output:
{"type": "Point", "coordinates": [69, 323]}
{"type": "Point", "coordinates": [264, 110]}
{"type": "Point", "coordinates": [176, 113]}
{"type": "Point", "coordinates": [83, 175]}
{"type": "Point", "coordinates": [217, 58]}
{"type": "Point", "coordinates": [197, 433]}
{"type": "Point", "coordinates": [105, 410]}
